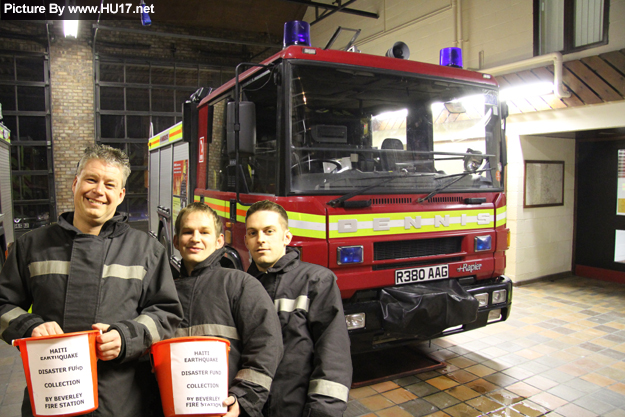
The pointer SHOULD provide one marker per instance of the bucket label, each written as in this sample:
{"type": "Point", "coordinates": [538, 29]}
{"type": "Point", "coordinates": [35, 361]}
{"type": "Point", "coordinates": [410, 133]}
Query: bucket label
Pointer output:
{"type": "Point", "coordinates": [60, 375]}
{"type": "Point", "coordinates": [199, 375]}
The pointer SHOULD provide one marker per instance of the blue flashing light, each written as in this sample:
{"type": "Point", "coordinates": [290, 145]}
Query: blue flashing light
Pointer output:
{"type": "Point", "coordinates": [483, 243]}
{"type": "Point", "coordinates": [350, 255]}
{"type": "Point", "coordinates": [145, 17]}
{"type": "Point", "coordinates": [451, 57]}
{"type": "Point", "coordinates": [296, 32]}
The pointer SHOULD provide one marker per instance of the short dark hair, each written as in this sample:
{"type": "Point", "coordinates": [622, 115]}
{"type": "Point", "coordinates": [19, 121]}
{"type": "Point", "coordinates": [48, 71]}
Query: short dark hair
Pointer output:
{"type": "Point", "coordinates": [108, 154]}
{"type": "Point", "coordinates": [203, 208]}
{"type": "Point", "coordinates": [266, 205]}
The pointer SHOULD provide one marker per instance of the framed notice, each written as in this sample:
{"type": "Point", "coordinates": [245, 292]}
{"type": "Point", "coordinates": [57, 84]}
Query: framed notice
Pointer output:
{"type": "Point", "coordinates": [543, 184]}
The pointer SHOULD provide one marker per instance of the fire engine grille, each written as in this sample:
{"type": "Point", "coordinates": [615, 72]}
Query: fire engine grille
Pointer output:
{"type": "Point", "coordinates": [402, 249]}
{"type": "Point", "coordinates": [415, 264]}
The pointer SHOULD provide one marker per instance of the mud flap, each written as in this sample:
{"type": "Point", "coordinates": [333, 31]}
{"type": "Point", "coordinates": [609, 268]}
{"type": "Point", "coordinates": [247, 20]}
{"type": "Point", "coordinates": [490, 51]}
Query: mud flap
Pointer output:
{"type": "Point", "coordinates": [424, 310]}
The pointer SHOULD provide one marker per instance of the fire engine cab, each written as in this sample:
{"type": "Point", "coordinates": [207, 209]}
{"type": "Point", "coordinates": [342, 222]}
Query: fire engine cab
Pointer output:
{"type": "Point", "coordinates": [391, 172]}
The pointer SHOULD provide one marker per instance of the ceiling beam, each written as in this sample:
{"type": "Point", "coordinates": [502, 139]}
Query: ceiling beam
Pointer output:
{"type": "Point", "coordinates": [334, 8]}
{"type": "Point", "coordinates": [188, 37]}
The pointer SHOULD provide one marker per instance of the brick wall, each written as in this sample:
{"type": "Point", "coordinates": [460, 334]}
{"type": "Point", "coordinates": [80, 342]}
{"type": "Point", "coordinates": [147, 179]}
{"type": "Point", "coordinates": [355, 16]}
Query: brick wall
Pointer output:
{"type": "Point", "coordinates": [72, 98]}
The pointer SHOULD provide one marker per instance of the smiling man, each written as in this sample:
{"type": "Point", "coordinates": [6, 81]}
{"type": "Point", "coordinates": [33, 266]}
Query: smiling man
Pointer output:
{"type": "Point", "coordinates": [315, 374]}
{"type": "Point", "coordinates": [92, 271]}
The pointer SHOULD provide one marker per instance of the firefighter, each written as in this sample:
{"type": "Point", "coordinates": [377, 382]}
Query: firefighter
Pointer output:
{"type": "Point", "coordinates": [92, 271]}
{"type": "Point", "coordinates": [227, 303]}
{"type": "Point", "coordinates": [315, 374]}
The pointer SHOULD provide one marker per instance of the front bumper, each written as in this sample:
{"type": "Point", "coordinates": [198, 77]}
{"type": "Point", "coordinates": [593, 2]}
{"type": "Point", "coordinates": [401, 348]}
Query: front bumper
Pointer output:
{"type": "Point", "coordinates": [379, 332]}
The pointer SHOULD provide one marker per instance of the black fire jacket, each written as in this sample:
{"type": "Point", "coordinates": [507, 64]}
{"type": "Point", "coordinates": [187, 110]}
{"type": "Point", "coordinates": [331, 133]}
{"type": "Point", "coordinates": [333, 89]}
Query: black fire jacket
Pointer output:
{"type": "Point", "coordinates": [315, 374]}
{"type": "Point", "coordinates": [120, 277]}
{"type": "Point", "coordinates": [231, 304]}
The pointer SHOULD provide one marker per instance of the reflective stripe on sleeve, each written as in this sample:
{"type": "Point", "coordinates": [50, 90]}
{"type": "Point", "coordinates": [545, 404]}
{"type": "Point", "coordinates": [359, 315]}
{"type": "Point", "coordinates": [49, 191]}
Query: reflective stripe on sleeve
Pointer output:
{"type": "Point", "coordinates": [123, 272]}
{"type": "Point", "coordinates": [48, 267]}
{"type": "Point", "coordinates": [255, 377]}
{"type": "Point", "coordinates": [6, 318]}
{"type": "Point", "coordinates": [217, 330]}
{"type": "Point", "coordinates": [284, 304]}
{"type": "Point", "coordinates": [329, 389]}
{"type": "Point", "coordinates": [148, 322]}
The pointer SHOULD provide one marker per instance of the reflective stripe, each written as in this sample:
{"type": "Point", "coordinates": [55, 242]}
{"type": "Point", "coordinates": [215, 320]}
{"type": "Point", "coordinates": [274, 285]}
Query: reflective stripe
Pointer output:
{"type": "Point", "coordinates": [217, 330]}
{"type": "Point", "coordinates": [284, 304]}
{"type": "Point", "coordinates": [300, 224]}
{"type": "Point", "coordinates": [166, 137]}
{"type": "Point", "coordinates": [148, 322]}
{"type": "Point", "coordinates": [220, 206]}
{"type": "Point", "coordinates": [197, 198]}
{"type": "Point", "coordinates": [329, 389]}
{"type": "Point", "coordinates": [379, 224]}
{"type": "Point", "coordinates": [307, 225]}
{"type": "Point", "coordinates": [123, 272]}
{"type": "Point", "coordinates": [254, 377]}
{"type": "Point", "coordinates": [241, 212]}
{"type": "Point", "coordinates": [502, 216]}
{"type": "Point", "coordinates": [8, 316]}
{"type": "Point", "coordinates": [48, 267]}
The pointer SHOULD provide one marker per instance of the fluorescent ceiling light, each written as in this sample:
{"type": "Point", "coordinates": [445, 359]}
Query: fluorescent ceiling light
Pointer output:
{"type": "Point", "coordinates": [70, 28]}
{"type": "Point", "coordinates": [525, 91]}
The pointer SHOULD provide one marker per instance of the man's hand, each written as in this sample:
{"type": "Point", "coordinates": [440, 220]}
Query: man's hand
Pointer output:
{"type": "Point", "coordinates": [47, 329]}
{"type": "Point", "coordinates": [233, 407]}
{"type": "Point", "coordinates": [108, 345]}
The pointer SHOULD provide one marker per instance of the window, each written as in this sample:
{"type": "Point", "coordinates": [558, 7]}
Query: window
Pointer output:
{"type": "Point", "coordinates": [259, 174]}
{"type": "Point", "coordinates": [570, 25]}
{"type": "Point", "coordinates": [133, 96]}
{"type": "Point", "coordinates": [25, 98]}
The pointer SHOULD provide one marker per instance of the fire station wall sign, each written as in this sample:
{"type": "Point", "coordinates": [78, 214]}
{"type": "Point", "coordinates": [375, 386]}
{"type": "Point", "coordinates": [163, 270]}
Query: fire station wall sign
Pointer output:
{"type": "Point", "coordinates": [543, 184]}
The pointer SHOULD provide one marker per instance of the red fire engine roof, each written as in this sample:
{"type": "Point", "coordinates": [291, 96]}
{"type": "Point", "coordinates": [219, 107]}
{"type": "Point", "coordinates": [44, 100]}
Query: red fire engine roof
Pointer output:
{"type": "Point", "coordinates": [362, 60]}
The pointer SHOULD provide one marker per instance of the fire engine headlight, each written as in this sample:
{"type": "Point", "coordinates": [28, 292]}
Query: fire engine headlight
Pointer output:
{"type": "Point", "coordinates": [483, 243]}
{"type": "Point", "coordinates": [482, 298]}
{"type": "Point", "coordinates": [499, 296]}
{"type": "Point", "coordinates": [355, 321]}
{"type": "Point", "coordinates": [349, 255]}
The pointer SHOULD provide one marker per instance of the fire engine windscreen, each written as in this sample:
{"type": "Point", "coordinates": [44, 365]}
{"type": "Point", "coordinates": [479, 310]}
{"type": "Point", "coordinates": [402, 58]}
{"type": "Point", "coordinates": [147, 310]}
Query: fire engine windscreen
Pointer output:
{"type": "Point", "coordinates": [351, 128]}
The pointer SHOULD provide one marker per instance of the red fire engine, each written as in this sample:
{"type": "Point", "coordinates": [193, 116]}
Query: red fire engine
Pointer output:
{"type": "Point", "coordinates": [391, 172]}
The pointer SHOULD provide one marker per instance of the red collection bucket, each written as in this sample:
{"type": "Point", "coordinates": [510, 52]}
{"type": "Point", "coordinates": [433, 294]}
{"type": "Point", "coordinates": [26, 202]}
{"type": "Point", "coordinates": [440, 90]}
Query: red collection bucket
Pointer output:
{"type": "Point", "coordinates": [192, 375]}
{"type": "Point", "coordinates": [61, 373]}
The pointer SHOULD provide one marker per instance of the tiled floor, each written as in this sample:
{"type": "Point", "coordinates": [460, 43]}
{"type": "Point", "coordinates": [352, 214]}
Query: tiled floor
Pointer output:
{"type": "Point", "coordinates": [561, 353]}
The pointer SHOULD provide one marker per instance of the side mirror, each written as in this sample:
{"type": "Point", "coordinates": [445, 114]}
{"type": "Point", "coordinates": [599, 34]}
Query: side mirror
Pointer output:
{"type": "Point", "coordinates": [247, 132]}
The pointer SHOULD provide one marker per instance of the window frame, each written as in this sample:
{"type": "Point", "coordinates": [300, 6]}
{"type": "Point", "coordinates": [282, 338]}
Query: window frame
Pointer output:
{"type": "Point", "coordinates": [18, 175]}
{"type": "Point", "coordinates": [569, 28]}
{"type": "Point", "coordinates": [175, 111]}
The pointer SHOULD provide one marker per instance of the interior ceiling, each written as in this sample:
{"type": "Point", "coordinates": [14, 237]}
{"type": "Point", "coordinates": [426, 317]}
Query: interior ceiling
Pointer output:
{"type": "Point", "coordinates": [260, 16]}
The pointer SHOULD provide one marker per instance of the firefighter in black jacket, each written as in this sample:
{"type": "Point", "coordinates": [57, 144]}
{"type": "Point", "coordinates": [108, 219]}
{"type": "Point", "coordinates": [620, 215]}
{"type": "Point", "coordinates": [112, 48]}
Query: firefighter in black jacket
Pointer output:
{"type": "Point", "coordinates": [92, 271]}
{"type": "Point", "coordinates": [227, 303]}
{"type": "Point", "coordinates": [315, 374]}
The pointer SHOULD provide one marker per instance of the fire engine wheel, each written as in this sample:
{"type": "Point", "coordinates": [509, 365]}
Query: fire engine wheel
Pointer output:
{"type": "Point", "coordinates": [315, 162]}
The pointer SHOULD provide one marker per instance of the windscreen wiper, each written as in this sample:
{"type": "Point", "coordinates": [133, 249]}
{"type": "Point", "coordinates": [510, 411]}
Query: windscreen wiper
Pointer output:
{"type": "Point", "coordinates": [337, 202]}
{"type": "Point", "coordinates": [460, 177]}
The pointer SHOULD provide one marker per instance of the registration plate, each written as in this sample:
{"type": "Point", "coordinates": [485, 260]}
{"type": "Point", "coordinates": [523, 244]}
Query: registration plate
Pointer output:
{"type": "Point", "coordinates": [427, 273]}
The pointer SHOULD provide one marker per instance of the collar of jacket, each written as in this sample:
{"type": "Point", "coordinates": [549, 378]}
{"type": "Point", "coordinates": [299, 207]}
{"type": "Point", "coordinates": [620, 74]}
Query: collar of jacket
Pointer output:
{"type": "Point", "coordinates": [210, 262]}
{"type": "Point", "coordinates": [114, 227]}
{"type": "Point", "coordinates": [285, 264]}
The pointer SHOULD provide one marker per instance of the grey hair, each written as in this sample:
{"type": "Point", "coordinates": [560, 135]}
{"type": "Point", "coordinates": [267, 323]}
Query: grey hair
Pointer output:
{"type": "Point", "coordinates": [108, 154]}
